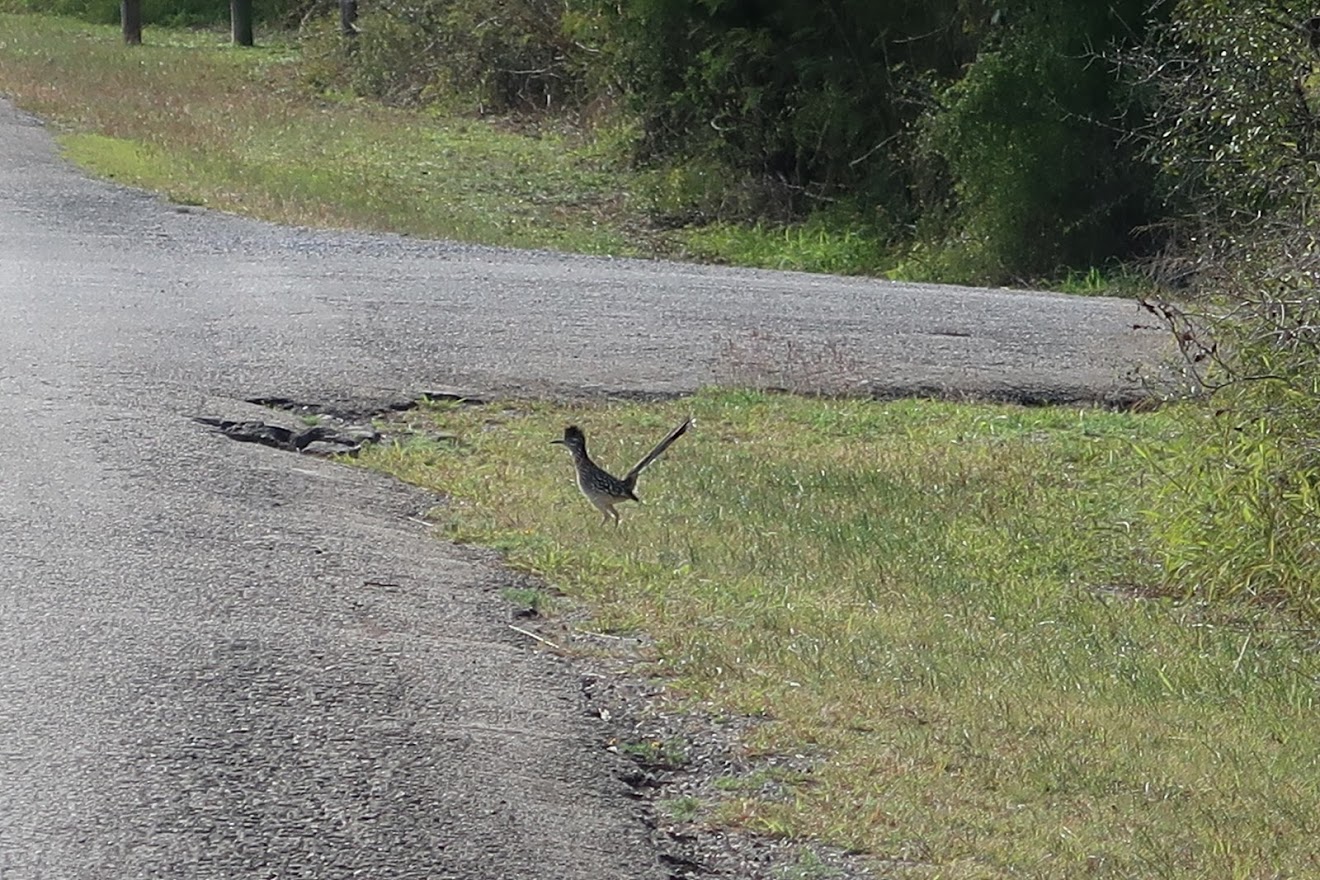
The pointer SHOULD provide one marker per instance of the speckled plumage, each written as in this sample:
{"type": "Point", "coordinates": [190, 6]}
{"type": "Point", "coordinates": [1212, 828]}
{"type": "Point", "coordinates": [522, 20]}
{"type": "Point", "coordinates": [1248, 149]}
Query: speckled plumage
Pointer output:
{"type": "Point", "coordinates": [601, 488]}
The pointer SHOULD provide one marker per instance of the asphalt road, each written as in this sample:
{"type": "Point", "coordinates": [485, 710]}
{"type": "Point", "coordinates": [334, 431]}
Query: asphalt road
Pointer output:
{"type": "Point", "coordinates": [219, 660]}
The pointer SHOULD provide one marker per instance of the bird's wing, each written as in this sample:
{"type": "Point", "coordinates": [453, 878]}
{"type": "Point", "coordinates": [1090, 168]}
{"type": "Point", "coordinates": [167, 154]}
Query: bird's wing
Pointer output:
{"type": "Point", "coordinates": [659, 448]}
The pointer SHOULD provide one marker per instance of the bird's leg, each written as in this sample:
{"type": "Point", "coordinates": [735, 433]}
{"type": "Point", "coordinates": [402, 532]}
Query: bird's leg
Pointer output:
{"type": "Point", "coordinates": [607, 511]}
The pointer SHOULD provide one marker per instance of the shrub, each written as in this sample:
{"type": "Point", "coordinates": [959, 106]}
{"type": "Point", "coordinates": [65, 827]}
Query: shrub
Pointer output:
{"type": "Point", "coordinates": [1033, 140]}
{"type": "Point", "coordinates": [498, 55]}
{"type": "Point", "coordinates": [999, 135]}
{"type": "Point", "coordinates": [1234, 137]}
{"type": "Point", "coordinates": [1242, 514]}
{"type": "Point", "coordinates": [818, 99]}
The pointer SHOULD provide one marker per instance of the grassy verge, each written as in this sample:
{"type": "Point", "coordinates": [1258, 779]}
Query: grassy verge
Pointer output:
{"type": "Point", "coordinates": [208, 124]}
{"type": "Point", "coordinates": [947, 607]}
{"type": "Point", "coordinates": [213, 125]}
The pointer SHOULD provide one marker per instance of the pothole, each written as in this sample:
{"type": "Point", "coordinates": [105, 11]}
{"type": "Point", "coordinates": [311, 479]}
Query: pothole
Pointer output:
{"type": "Point", "coordinates": [317, 439]}
{"type": "Point", "coordinates": [324, 429]}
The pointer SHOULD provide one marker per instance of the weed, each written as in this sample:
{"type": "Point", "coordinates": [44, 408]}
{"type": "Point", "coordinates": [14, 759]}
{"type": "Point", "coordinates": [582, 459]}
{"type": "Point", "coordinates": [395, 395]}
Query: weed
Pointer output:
{"type": "Point", "coordinates": [667, 754]}
{"type": "Point", "coordinates": [1114, 280]}
{"type": "Point", "coordinates": [680, 809]}
{"type": "Point", "coordinates": [812, 246]}
{"type": "Point", "coordinates": [530, 602]}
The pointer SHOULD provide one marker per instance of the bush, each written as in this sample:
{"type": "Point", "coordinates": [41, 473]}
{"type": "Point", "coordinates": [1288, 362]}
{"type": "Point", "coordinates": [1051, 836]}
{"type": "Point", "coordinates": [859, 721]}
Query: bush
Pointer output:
{"type": "Point", "coordinates": [1242, 504]}
{"type": "Point", "coordinates": [1033, 137]}
{"type": "Point", "coordinates": [1235, 138]}
{"type": "Point", "coordinates": [1245, 490]}
{"type": "Point", "coordinates": [997, 136]}
{"type": "Point", "coordinates": [1000, 143]}
{"type": "Point", "coordinates": [815, 100]}
{"type": "Point", "coordinates": [498, 55]}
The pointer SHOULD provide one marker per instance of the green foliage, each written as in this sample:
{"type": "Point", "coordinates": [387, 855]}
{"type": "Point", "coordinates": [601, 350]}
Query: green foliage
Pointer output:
{"type": "Point", "coordinates": [813, 98]}
{"type": "Point", "coordinates": [823, 242]}
{"type": "Point", "coordinates": [1241, 514]}
{"type": "Point", "coordinates": [699, 190]}
{"type": "Point", "coordinates": [685, 808]}
{"type": "Point", "coordinates": [669, 754]}
{"type": "Point", "coordinates": [1233, 126]}
{"type": "Point", "coordinates": [998, 133]}
{"type": "Point", "coordinates": [1247, 517]}
{"type": "Point", "coordinates": [1033, 140]}
{"type": "Point", "coordinates": [531, 602]}
{"type": "Point", "coordinates": [993, 140]}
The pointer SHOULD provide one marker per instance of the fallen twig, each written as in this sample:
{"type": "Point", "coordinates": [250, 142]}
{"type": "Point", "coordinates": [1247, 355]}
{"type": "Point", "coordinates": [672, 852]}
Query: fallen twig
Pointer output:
{"type": "Point", "coordinates": [531, 635]}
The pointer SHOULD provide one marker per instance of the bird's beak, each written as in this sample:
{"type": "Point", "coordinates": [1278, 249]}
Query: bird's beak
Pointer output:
{"type": "Point", "coordinates": [558, 443]}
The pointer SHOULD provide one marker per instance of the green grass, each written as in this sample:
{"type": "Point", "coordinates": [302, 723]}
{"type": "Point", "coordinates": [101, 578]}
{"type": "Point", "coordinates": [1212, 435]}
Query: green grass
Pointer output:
{"type": "Point", "coordinates": [204, 123]}
{"type": "Point", "coordinates": [535, 603]}
{"type": "Point", "coordinates": [813, 246]}
{"type": "Point", "coordinates": [681, 809]}
{"type": "Point", "coordinates": [952, 609]}
{"type": "Point", "coordinates": [192, 117]}
{"type": "Point", "coordinates": [1114, 280]}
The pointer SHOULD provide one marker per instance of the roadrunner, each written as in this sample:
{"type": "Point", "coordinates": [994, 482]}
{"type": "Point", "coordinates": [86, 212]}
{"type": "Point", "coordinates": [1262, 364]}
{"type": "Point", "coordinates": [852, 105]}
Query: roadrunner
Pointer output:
{"type": "Point", "coordinates": [601, 488]}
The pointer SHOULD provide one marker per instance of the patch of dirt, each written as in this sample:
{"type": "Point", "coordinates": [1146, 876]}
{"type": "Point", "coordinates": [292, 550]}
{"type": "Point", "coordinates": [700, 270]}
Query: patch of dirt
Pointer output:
{"type": "Point", "coordinates": [682, 759]}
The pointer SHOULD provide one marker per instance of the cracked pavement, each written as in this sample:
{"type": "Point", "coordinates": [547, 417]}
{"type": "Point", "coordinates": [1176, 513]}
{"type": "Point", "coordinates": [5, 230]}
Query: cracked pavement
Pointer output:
{"type": "Point", "coordinates": [223, 660]}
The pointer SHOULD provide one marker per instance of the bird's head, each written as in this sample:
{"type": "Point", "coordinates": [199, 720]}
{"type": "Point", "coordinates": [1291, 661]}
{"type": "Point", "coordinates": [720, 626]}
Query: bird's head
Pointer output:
{"type": "Point", "coordinates": [573, 438]}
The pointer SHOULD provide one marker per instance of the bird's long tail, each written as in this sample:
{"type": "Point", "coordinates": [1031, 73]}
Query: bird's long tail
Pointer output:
{"type": "Point", "coordinates": [631, 478]}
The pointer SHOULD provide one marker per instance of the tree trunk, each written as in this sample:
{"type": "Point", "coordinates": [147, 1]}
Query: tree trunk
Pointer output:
{"type": "Point", "coordinates": [130, 15]}
{"type": "Point", "coordinates": [240, 16]}
{"type": "Point", "coordinates": [348, 17]}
